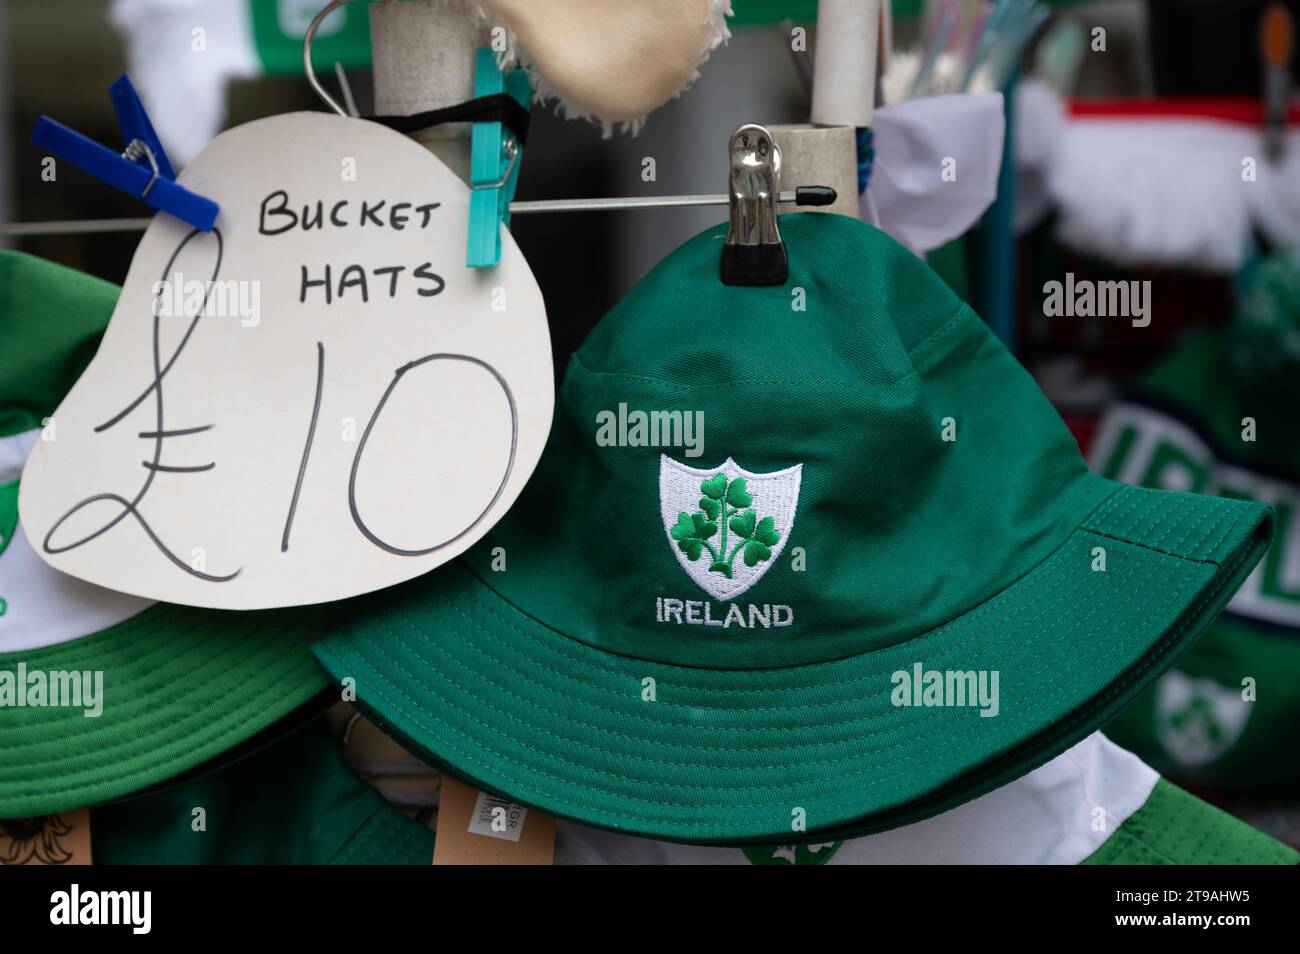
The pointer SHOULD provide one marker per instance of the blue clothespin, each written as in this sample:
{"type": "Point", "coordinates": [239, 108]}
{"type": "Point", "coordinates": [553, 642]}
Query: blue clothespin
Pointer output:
{"type": "Point", "coordinates": [142, 170]}
{"type": "Point", "coordinates": [495, 156]}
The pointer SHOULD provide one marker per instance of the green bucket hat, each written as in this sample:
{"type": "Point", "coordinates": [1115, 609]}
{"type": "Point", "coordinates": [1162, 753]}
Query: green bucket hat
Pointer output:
{"type": "Point", "coordinates": [173, 687]}
{"type": "Point", "coordinates": [807, 560]}
{"type": "Point", "coordinates": [295, 802]}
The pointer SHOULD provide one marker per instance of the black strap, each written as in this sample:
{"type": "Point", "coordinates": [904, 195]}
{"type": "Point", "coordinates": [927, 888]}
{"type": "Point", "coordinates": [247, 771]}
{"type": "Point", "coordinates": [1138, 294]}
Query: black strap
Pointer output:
{"type": "Point", "coordinates": [497, 108]}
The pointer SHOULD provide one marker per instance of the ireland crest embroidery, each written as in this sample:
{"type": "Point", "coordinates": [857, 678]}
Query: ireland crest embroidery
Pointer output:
{"type": "Point", "coordinates": [725, 524]}
{"type": "Point", "coordinates": [1198, 720]}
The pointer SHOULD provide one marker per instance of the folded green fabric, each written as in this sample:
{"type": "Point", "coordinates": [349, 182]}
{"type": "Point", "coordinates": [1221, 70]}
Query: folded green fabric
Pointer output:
{"type": "Point", "coordinates": [294, 802]}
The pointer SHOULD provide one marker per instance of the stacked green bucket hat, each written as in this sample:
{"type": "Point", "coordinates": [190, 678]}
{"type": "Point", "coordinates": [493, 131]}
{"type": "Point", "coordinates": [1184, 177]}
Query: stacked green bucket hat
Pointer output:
{"type": "Point", "coordinates": [156, 690]}
{"type": "Point", "coordinates": [799, 561]}
{"type": "Point", "coordinates": [295, 801]}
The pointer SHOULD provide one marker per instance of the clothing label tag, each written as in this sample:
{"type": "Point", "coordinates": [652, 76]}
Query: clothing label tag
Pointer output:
{"type": "Point", "coordinates": [497, 818]}
{"type": "Point", "coordinates": [52, 840]}
{"type": "Point", "coordinates": [475, 828]}
{"type": "Point", "coordinates": [315, 399]}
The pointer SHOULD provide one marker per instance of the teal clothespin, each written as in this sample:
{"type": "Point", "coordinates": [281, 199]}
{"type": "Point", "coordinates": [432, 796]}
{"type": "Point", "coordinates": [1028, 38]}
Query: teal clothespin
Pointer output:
{"type": "Point", "coordinates": [495, 156]}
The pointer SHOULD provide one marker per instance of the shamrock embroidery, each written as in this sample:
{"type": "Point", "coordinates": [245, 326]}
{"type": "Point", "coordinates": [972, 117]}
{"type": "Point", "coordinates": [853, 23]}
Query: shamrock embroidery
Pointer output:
{"type": "Point", "coordinates": [692, 533]}
{"type": "Point", "coordinates": [725, 507]}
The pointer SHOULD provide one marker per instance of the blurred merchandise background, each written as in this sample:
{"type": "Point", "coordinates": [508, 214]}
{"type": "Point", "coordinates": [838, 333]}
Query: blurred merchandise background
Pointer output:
{"type": "Point", "coordinates": [60, 57]}
{"type": "Point", "coordinates": [1138, 153]}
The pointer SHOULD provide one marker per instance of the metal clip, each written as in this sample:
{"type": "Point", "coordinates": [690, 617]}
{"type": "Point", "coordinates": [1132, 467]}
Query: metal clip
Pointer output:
{"type": "Point", "coordinates": [127, 170]}
{"type": "Point", "coordinates": [138, 149]}
{"type": "Point", "coordinates": [753, 253]}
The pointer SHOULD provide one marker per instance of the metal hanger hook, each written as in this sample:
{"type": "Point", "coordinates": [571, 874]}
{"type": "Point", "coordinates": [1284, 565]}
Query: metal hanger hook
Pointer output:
{"type": "Point", "coordinates": [312, 81]}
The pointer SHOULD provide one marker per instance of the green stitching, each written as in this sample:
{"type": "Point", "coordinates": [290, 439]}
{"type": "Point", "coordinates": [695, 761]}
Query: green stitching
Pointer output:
{"type": "Point", "coordinates": [726, 504]}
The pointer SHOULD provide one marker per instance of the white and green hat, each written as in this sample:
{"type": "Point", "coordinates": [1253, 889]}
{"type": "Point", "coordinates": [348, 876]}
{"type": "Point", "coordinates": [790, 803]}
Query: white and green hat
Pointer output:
{"type": "Point", "coordinates": [103, 694]}
{"type": "Point", "coordinates": [1218, 417]}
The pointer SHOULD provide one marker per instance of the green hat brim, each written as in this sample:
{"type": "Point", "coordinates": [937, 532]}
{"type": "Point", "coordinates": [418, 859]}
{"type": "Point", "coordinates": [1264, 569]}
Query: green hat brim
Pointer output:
{"type": "Point", "coordinates": [182, 686]}
{"type": "Point", "coordinates": [517, 708]}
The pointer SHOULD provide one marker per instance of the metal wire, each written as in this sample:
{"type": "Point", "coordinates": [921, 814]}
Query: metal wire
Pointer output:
{"type": "Point", "coordinates": [74, 226]}
{"type": "Point", "coordinates": [312, 81]}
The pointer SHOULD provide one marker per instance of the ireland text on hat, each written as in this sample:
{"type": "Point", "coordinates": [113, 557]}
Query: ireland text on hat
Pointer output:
{"type": "Point", "coordinates": [103, 907]}
{"type": "Point", "coordinates": [946, 688]}
{"type": "Point", "coordinates": [57, 689]}
{"type": "Point", "coordinates": [707, 613]}
{"type": "Point", "coordinates": [651, 429]}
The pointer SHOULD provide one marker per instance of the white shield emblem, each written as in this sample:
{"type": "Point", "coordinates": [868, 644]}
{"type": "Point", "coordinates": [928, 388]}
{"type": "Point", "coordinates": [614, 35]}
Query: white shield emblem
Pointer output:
{"type": "Point", "coordinates": [725, 524]}
{"type": "Point", "coordinates": [1197, 720]}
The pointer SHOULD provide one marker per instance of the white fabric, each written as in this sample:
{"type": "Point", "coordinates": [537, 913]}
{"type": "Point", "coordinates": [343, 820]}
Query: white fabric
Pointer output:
{"type": "Point", "coordinates": [1153, 190]}
{"type": "Point", "coordinates": [1040, 123]}
{"type": "Point", "coordinates": [1156, 192]}
{"type": "Point", "coordinates": [608, 63]}
{"type": "Point", "coordinates": [1059, 813]}
{"type": "Point", "coordinates": [43, 606]}
{"type": "Point", "coordinates": [184, 89]}
{"type": "Point", "coordinates": [13, 454]}
{"type": "Point", "coordinates": [912, 200]}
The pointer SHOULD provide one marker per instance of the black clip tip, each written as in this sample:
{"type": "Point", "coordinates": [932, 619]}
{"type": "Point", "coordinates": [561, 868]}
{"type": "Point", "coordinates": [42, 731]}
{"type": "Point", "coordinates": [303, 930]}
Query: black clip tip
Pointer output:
{"type": "Point", "coordinates": [755, 265]}
{"type": "Point", "coordinates": [815, 195]}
